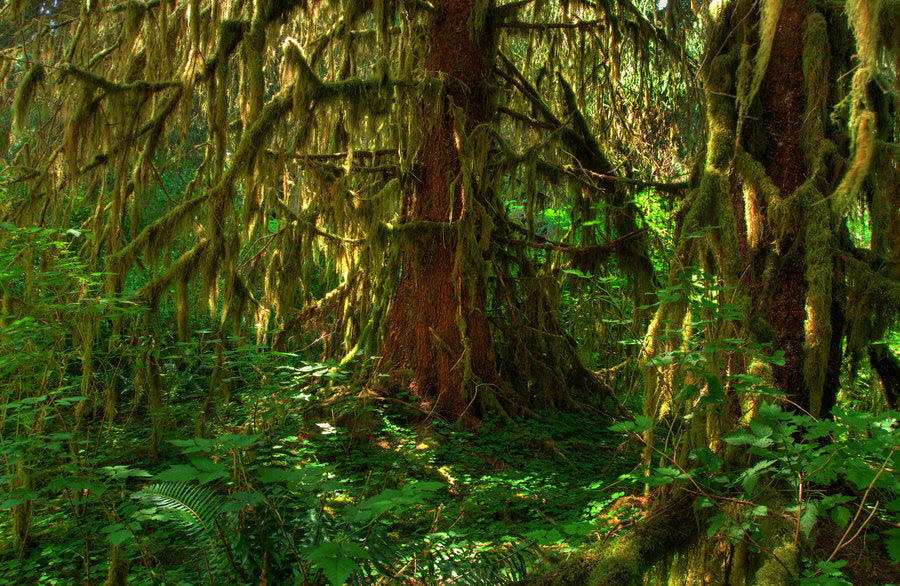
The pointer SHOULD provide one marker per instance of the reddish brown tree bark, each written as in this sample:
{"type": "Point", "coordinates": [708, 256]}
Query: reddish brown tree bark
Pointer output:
{"type": "Point", "coordinates": [783, 98]}
{"type": "Point", "coordinates": [435, 299]}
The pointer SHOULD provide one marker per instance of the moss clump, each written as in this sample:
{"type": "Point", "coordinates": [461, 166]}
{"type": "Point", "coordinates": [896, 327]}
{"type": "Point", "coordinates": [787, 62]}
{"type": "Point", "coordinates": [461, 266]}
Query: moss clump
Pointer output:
{"type": "Point", "coordinates": [25, 94]}
{"type": "Point", "coordinates": [625, 560]}
{"type": "Point", "coordinates": [782, 568]}
{"type": "Point", "coordinates": [771, 11]}
{"type": "Point", "coordinates": [230, 34]}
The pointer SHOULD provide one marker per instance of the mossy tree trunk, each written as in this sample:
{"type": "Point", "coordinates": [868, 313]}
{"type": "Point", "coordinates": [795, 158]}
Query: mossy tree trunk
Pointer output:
{"type": "Point", "coordinates": [795, 140]}
{"type": "Point", "coordinates": [437, 326]}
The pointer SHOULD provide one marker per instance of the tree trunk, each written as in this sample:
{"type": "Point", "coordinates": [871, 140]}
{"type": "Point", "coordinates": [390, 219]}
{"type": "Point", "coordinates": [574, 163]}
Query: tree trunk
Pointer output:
{"type": "Point", "coordinates": [771, 202]}
{"type": "Point", "coordinates": [887, 366]}
{"type": "Point", "coordinates": [783, 100]}
{"type": "Point", "coordinates": [437, 326]}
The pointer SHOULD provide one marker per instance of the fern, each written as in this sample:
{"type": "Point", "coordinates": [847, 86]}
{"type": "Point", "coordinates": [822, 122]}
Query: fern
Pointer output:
{"type": "Point", "coordinates": [198, 506]}
{"type": "Point", "coordinates": [198, 510]}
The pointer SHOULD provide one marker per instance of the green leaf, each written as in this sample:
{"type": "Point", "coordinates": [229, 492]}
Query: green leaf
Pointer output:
{"type": "Point", "coordinates": [841, 516]}
{"type": "Point", "coordinates": [238, 441]}
{"type": "Point", "coordinates": [179, 473]}
{"type": "Point", "coordinates": [209, 470]}
{"type": "Point", "coordinates": [336, 560]}
{"type": "Point", "coordinates": [760, 429]}
{"type": "Point", "coordinates": [745, 438]}
{"type": "Point", "coordinates": [545, 536]}
{"type": "Point", "coordinates": [643, 423]}
{"type": "Point", "coordinates": [809, 516]}
{"type": "Point", "coordinates": [688, 392]}
{"type": "Point", "coordinates": [622, 426]}
{"type": "Point", "coordinates": [123, 472]}
{"type": "Point", "coordinates": [892, 543]}
{"type": "Point", "coordinates": [119, 536]}
{"type": "Point", "coordinates": [716, 522]}
{"type": "Point", "coordinates": [197, 507]}
{"type": "Point", "coordinates": [750, 477]}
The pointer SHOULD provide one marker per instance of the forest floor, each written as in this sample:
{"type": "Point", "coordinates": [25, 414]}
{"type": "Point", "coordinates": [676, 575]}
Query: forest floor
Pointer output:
{"type": "Point", "coordinates": [356, 492]}
{"type": "Point", "coordinates": [514, 494]}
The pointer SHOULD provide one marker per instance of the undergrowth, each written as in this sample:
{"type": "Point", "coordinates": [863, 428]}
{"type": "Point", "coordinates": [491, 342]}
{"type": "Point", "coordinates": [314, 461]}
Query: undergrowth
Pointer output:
{"type": "Point", "coordinates": [291, 488]}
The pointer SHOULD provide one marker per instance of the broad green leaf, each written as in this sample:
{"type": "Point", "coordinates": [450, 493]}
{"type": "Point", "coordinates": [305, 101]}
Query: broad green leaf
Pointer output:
{"type": "Point", "coordinates": [336, 560]}
{"type": "Point", "coordinates": [178, 473]}
{"type": "Point", "coordinates": [841, 516]}
{"type": "Point", "coordinates": [809, 516]}
{"type": "Point", "coordinates": [119, 536]}
{"type": "Point", "coordinates": [750, 477]}
{"type": "Point", "coordinates": [643, 423]}
{"type": "Point", "coordinates": [892, 542]}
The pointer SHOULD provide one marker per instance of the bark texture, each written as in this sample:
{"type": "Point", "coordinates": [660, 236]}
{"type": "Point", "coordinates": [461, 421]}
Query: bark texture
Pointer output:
{"type": "Point", "coordinates": [437, 326]}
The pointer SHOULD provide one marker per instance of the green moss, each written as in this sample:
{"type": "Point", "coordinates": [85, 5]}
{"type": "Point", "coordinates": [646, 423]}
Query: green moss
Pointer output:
{"type": "Point", "coordinates": [770, 13]}
{"type": "Point", "coordinates": [229, 35]}
{"type": "Point", "coordinates": [760, 329]}
{"type": "Point", "coordinates": [820, 244]}
{"type": "Point", "coordinates": [626, 560]}
{"type": "Point", "coordinates": [25, 94]}
{"type": "Point", "coordinates": [720, 112]}
{"type": "Point", "coordinates": [816, 68]}
{"type": "Point", "coordinates": [782, 568]}
{"type": "Point", "coordinates": [864, 146]}
{"type": "Point", "coordinates": [117, 574]}
{"type": "Point", "coordinates": [864, 16]}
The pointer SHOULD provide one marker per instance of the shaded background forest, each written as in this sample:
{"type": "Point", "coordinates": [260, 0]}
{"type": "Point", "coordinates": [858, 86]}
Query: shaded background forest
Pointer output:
{"type": "Point", "coordinates": [449, 292]}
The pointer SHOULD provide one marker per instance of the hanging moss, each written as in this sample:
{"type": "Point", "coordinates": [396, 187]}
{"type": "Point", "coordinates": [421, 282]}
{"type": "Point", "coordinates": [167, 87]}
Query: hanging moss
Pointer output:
{"type": "Point", "coordinates": [760, 193]}
{"type": "Point", "coordinates": [820, 246]}
{"type": "Point", "coordinates": [864, 18]}
{"type": "Point", "coordinates": [25, 94]}
{"type": "Point", "coordinates": [864, 147]}
{"type": "Point", "coordinates": [770, 13]}
{"type": "Point", "coordinates": [305, 81]}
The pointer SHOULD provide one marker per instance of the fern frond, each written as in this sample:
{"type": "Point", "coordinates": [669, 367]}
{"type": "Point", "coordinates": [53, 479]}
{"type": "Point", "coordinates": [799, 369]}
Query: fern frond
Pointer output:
{"type": "Point", "coordinates": [199, 506]}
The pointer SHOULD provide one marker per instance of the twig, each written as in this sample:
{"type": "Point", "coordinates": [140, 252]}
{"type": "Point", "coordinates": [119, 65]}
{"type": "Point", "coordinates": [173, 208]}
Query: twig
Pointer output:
{"type": "Point", "coordinates": [843, 542]}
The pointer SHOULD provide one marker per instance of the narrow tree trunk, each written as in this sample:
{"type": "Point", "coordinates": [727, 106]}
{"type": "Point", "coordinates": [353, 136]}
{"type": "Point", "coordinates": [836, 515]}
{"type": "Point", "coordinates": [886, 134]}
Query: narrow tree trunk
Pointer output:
{"type": "Point", "coordinates": [887, 366]}
{"type": "Point", "coordinates": [783, 99]}
{"type": "Point", "coordinates": [437, 326]}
